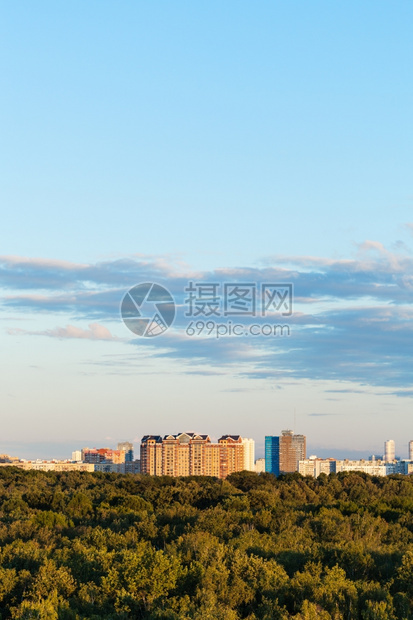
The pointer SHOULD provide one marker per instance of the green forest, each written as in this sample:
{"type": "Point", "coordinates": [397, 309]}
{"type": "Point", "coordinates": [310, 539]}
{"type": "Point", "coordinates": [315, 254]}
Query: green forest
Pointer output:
{"type": "Point", "coordinates": [91, 546]}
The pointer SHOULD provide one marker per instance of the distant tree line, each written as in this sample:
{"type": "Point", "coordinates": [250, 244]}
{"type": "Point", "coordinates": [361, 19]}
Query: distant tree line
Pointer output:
{"type": "Point", "coordinates": [77, 546]}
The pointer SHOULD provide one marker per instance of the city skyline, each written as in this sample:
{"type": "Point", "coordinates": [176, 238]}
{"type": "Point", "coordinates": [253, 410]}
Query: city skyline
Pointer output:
{"type": "Point", "coordinates": [195, 454]}
{"type": "Point", "coordinates": [389, 452]}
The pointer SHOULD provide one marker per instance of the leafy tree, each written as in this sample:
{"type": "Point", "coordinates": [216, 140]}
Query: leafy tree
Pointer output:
{"type": "Point", "coordinates": [82, 546]}
{"type": "Point", "coordinates": [80, 506]}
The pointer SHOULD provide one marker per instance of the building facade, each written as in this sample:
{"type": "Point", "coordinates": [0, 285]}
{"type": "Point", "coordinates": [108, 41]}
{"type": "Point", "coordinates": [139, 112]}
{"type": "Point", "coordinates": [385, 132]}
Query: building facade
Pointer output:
{"type": "Point", "coordinates": [102, 455]}
{"type": "Point", "coordinates": [272, 454]}
{"type": "Point", "coordinates": [249, 454]}
{"type": "Point", "coordinates": [260, 466]}
{"type": "Point", "coordinates": [389, 450]}
{"type": "Point", "coordinates": [128, 467]}
{"type": "Point", "coordinates": [191, 454]}
{"type": "Point", "coordinates": [58, 466]}
{"type": "Point", "coordinates": [127, 448]}
{"type": "Point", "coordinates": [283, 453]}
{"type": "Point", "coordinates": [374, 468]}
{"type": "Point", "coordinates": [314, 466]}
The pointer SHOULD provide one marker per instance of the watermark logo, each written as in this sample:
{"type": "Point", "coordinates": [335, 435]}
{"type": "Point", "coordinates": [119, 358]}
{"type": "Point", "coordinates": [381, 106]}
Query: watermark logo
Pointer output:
{"type": "Point", "coordinates": [148, 309]}
{"type": "Point", "coordinates": [213, 299]}
{"type": "Point", "coordinates": [210, 309]}
{"type": "Point", "coordinates": [277, 298]}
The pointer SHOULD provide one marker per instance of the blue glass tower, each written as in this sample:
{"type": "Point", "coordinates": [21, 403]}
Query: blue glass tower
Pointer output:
{"type": "Point", "coordinates": [272, 455]}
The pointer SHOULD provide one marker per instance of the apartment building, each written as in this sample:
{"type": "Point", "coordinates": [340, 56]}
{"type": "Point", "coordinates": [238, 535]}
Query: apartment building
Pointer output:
{"type": "Point", "coordinates": [191, 454]}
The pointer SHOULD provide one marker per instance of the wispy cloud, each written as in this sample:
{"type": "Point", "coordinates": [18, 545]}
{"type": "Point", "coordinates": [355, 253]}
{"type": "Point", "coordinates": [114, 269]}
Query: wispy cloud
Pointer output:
{"type": "Point", "coordinates": [374, 273]}
{"type": "Point", "coordinates": [93, 332]}
{"type": "Point", "coordinates": [352, 320]}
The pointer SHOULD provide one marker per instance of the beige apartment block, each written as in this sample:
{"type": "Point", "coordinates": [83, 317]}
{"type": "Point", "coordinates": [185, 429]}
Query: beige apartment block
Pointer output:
{"type": "Point", "coordinates": [191, 454]}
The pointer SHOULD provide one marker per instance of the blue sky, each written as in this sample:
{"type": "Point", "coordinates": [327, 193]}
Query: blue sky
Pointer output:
{"type": "Point", "coordinates": [216, 142]}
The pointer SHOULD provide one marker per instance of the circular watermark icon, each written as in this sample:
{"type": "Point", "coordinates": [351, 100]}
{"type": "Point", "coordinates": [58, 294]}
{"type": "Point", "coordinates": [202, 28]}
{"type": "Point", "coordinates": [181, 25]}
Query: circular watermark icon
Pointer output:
{"type": "Point", "coordinates": [148, 309]}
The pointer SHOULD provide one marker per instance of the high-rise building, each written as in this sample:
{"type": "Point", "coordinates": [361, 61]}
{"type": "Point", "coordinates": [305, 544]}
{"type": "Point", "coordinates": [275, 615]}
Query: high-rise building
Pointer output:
{"type": "Point", "coordinates": [249, 454]}
{"type": "Point", "coordinates": [282, 454]}
{"type": "Point", "coordinates": [389, 450]}
{"type": "Point", "coordinates": [127, 447]}
{"type": "Point", "coordinates": [191, 454]}
{"type": "Point", "coordinates": [272, 455]}
{"type": "Point", "coordinates": [411, 450]}
{"type": "Point", "coordinates": [231, 454]}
